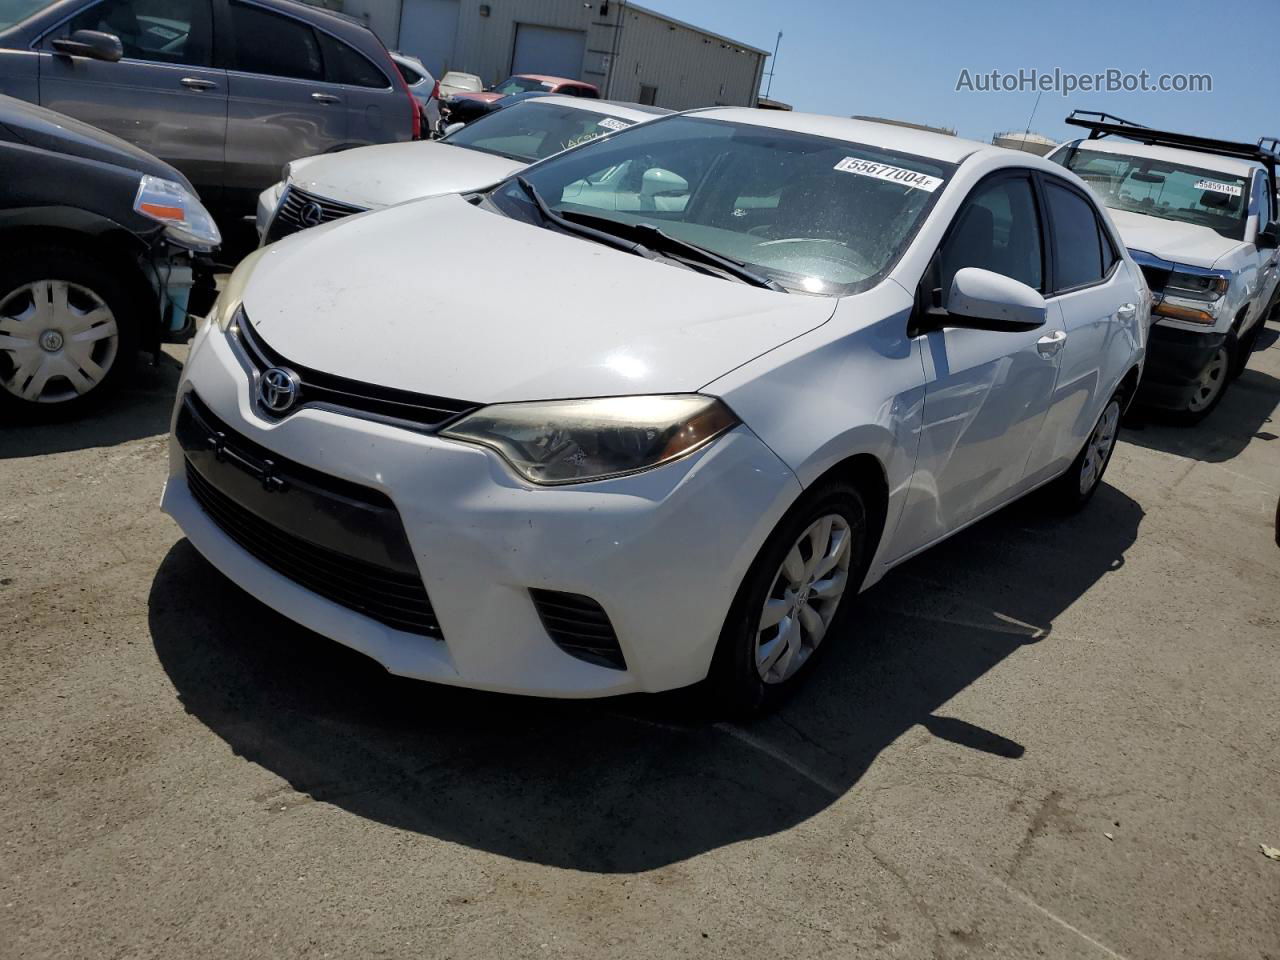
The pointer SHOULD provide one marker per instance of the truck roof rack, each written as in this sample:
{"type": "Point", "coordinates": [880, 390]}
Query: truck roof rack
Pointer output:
{"type": "Point", "coordinates": [1266, 151]}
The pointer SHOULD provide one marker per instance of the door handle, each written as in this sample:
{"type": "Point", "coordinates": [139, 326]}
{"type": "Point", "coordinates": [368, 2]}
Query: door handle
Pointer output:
{"type": "Point", "coordinates": [325, 98]}
{"type": "Point", "coordinates": [1126, 311]}
{"type": "Point", "coordinates": [1051, 344]}
{"type": "Point", "coordinates": [195, 83]}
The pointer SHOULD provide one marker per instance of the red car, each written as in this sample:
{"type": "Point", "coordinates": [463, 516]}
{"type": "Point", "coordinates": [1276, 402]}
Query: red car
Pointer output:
{"type": "Point", "coordinates": [465, 107]}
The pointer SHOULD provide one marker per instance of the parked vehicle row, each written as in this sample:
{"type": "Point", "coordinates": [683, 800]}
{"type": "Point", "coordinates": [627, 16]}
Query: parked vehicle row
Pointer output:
{"type": "Point", "coordinates": [1199, 217]}
{"type": "Point", "coordinates": [734, 367]}
{"type": "Point", "coordinates": [464, 106]}
{"type": "Point", "coordinates": [226, 91]}
{"type": "Point", "coordinates": [317, 190]}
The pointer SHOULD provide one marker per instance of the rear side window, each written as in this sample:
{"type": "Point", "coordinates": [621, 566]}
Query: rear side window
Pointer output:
{"type": "Point", "coordinates": [342, 64]}
{"type": "Point", "coordinates": [162, 31]}
{"type": "Point", "coordinates": [998, 229]}
{"type": "Point", "coordinates": [588, 94]}
{"type": "Point", "coordinates": [410, 76]}
{"type": "Point", "coordinates": [274, 45]}
{"type": "Point", "coordinates": [1077, 239]}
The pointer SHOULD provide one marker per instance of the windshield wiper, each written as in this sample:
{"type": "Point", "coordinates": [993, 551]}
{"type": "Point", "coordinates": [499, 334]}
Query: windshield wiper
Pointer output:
{"type": "Point", "coordinates": [550, 216]}
{"type": "Point", "coordinates": [658, 239]}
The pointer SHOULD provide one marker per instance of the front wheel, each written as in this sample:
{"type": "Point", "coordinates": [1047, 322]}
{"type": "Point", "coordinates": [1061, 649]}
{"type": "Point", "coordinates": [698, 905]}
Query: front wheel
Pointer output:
{"type": "Point", "coordinates": [1211, 384]}
{"type": "Point", "coordinates": [792, 600]}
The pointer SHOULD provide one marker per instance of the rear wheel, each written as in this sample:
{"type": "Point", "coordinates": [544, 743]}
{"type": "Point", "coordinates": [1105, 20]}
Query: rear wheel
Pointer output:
{"type": "Point", "coordinates": [792, 600]}
{"type": "Point", "coordinates": [68, 332]}
{"type": "Point", "coordinates": [1077, 486]}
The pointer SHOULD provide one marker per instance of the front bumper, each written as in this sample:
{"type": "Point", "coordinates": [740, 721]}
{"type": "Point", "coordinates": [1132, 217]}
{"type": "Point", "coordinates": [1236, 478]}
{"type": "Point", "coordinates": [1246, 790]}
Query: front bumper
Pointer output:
{"type": "Point", "coordinates": [1175, 359]}
{"type": "Point", "coordinates": [662, 552]}
{"type": "Point", "coordinates": [268, 200]}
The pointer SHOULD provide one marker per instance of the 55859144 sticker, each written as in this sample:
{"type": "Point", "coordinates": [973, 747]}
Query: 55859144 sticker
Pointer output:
{"type": "Point", "coordinates": [1213, 186]}
{"type": "Point", "coordinates": [885, 171]}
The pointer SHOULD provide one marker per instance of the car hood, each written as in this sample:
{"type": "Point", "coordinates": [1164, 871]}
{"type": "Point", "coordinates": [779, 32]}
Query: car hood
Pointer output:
{"type": "Point", "coordinates": [1170, 240]}
{"type": "Point", "coordinates": [56, 132]}
{"type": "Point", "coordinates": [388, 173]}
{"type": "Point", "coordinates": [548, 316]}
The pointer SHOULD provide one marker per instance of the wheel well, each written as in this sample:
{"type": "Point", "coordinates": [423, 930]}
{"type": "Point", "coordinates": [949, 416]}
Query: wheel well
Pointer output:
{"type": "Point", "coordinates": [117, 247]}
{"type": "Point", "coordinates": [866, 473]}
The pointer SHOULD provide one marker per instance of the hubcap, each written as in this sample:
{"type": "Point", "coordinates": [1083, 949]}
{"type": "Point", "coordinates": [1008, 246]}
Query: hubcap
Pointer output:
{"type": "Point", "coordinates": [803, 599]}
{"type": "Point", "coordinates": [1210, 382]}
{"type": "Point", "coordinates": [57, 341]}
{"type": "Point", "coordinates": [1099, 447]}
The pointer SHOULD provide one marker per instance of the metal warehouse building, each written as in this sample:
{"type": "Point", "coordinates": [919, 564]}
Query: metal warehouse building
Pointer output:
{"type": "Point", "coordinates": [629, 52]}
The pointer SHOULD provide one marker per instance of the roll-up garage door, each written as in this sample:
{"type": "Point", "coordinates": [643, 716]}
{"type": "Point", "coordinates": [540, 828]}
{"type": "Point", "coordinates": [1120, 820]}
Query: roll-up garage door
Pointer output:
{"type": "Point", "coordinates": [549, 50]}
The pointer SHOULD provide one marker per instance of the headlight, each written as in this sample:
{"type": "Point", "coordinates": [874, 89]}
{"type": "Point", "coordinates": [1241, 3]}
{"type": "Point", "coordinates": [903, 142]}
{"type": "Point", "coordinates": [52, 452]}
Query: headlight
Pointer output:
{"type": "Point", "coordinates": [571, 441]}
{"type": "Point", "coordinates": [228, 302]}
{"type": "Point", "coordinates": [1194, 286]}
{"type": "Point", "coordinates": [186, 221]}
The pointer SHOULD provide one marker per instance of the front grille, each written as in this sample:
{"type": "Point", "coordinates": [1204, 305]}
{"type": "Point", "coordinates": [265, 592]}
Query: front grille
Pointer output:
{"type": "Point", "coordinates": [299, 209]}
{"type": "Point", "coordinates": [254, 500]}
{"type": "Point", "coordinates": [1157, 278]}
{"type": "Point", "coordinates": [579, 626]}
{"type": "Point", "coordinates": [400, 407]}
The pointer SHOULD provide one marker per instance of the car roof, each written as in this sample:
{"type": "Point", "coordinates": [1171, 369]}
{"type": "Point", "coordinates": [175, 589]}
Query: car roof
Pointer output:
{"type": "Point", "coordinates": [547, 78]}
{"type": "Point", "coordinates": [922, 143]}
{"type": "Point", "coordinates": [603, 107]}
{"type": "Point", "coordinates": [1235, 166]}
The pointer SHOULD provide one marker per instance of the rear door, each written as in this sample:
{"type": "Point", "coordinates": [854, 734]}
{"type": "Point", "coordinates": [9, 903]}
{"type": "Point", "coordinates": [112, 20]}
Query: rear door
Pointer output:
{"type": "Point", "coordinates": [1268, 257]}
{"type": "Point", "coordinates": [280, 105]}
{"type": "Point", "coordinates": [376, 104]}
{"type": "Point", "coordinates": [1097, 302]}
{"type": "Point", "coordinates": [164, 95]}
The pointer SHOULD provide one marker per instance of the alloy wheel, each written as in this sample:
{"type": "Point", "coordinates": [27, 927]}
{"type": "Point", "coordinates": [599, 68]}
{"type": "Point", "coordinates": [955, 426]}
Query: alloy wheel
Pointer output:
{"type": "Point", "coordinates": [803, 599]}
{"type": "Point", "coordinates": [1098, 449]}
{"type": "Point", "coordinates": [1211, 381]}
{"type": "Point", "coordinates": [58, 340]}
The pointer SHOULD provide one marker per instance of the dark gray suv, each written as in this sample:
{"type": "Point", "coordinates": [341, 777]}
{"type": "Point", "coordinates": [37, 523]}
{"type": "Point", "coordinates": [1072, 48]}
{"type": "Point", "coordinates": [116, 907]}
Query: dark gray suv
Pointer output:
{"type": "Point", "coordinates": [227, 91]}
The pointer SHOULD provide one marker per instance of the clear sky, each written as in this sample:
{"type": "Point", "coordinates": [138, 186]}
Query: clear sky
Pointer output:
{"type": "Point", "coordinates": [902, 58]}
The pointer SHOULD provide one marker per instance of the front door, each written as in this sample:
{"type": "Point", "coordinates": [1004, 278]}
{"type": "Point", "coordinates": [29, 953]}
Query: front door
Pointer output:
{"type": "Point", "coordinates": [164, 95]}
{"type": "Point", "coordinates": [986, 393]}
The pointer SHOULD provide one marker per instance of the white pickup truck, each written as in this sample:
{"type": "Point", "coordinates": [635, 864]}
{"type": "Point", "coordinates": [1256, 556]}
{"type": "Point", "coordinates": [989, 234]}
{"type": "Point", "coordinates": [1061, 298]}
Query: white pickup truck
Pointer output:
{"type": "Point", "coordinates": [1199, 217]}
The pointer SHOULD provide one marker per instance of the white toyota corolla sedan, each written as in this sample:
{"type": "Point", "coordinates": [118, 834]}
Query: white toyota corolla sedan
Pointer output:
{"type": "Point", "coordinates": [715, 374]}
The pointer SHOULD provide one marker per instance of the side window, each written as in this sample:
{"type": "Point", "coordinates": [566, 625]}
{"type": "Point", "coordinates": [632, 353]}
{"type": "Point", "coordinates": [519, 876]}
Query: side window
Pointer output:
{"type": "Point", "coordinates": [1077, 244]}
{"type": "Point", "coordinates": [162, 31]}
{"type": "Point", "coordinates": [997, 229]}
{"type": "Point", "coordinates": [1109, 254]}
{"type": "Point", "coordinates": [342, 64]}
{"type": "Point", "coordinates": [277, 46]}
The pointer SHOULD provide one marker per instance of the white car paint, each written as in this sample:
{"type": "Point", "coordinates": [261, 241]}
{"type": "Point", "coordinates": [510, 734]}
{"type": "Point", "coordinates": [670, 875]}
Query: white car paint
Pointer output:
{"type": "Point", "coordinates": [384, 174]}
{"type": "Point", "coordinates": [959, 421]}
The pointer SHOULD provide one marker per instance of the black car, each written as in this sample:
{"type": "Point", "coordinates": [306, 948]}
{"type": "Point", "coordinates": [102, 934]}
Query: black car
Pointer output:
{"type": "Point", "coordinates": [464, 109]}
{"type": "Point", "coordinates": [103, 248]}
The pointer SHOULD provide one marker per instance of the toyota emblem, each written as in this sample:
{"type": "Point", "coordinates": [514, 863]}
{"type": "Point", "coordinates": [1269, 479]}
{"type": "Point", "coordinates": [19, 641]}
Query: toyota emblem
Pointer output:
{"type": "Point", "coordinates": [311, 214]}
{"type": "Point", "coordinates": [278, 388]}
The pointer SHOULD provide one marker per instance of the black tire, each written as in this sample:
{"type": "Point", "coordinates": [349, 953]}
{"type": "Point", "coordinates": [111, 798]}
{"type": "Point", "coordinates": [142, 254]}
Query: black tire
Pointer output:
{"type": "Point", "coordinates": [1202, 404]}
{"type": "Point", "coordinates": [1245, 349]}
{"type": "Point", "coordinates": [735, 683]}
{"type": "Point", "coordinates": [1076, 487]}
{"type": "Point", "coordinates": [78, 266]}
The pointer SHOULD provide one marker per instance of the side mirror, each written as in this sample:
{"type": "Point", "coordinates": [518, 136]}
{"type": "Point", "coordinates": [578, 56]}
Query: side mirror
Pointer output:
{"type": "Point", "coordinates": [657, 181]}
{"type": "Point", "coordinates": [452, 128]}
{"type": "Point", "coordinates": [93, 44]}
{"type": "Point", "coordinates": [1268, 237]}
{"type": "Point", "coordinates": [983, 300]}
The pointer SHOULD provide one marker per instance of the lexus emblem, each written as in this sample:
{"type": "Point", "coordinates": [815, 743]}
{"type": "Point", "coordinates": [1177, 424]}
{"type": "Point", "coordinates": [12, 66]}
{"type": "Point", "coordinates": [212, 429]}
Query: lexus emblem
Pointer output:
{"type": "Point", "coordinates": [278, 388]}
{"type": "Point", "coordinates": [311, 214]}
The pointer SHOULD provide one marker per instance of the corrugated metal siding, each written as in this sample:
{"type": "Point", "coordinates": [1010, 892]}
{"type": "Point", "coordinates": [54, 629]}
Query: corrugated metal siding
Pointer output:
{"type": "Point", "coordinates": [688, 68]}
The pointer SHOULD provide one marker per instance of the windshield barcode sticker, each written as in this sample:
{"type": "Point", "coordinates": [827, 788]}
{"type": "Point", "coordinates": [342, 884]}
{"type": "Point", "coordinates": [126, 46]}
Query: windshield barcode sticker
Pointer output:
{"type": "Point", "coordinates": [1230, 189]}
{"type": "Point", "coordinates": [609, 123]}
{"type": "Point", "coordinates": [883, 171]}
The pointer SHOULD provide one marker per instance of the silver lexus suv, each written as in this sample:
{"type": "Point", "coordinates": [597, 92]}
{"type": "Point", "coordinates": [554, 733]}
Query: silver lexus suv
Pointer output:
{"type": "Point", "coordinates": [227, 91]}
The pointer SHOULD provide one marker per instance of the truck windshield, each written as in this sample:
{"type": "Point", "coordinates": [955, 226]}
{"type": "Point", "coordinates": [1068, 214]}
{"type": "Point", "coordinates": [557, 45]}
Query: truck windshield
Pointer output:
{"type": "Point", "coordinates": [1157, 188]}
{"type": "Point", "coordinates": [15, 11]}
{"type": "Point", "coordinates": [816, 215]}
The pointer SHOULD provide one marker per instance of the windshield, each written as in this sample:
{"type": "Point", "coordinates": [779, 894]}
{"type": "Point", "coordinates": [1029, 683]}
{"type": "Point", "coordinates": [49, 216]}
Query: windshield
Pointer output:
{"type": "Point", "coordinates": [1158, 188]}
{"type": "Point", "coordinates": [816, 215]}
{"type": "Point", "coordinates": [518, 85]}
{"type": "Point", "coordinates": [530, 131]}
{"type": "Point", "coordinates": [15, 11]}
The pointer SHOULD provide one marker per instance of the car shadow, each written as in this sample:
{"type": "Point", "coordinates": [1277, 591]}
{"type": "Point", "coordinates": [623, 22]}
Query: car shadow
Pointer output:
{"type": "Point", "coordinates": [138, 409]}
{"type": "Point", "coordinates": [1247, 412]}
{"type": "Point", "coordinates": [630, 784]}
